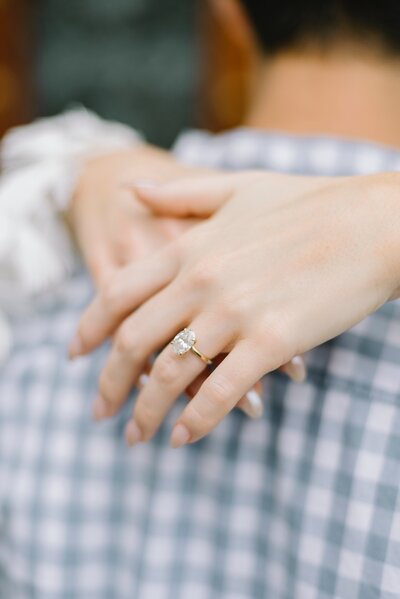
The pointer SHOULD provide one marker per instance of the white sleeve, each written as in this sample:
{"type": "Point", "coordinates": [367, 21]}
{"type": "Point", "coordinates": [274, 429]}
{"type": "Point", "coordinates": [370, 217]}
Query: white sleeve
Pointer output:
{"type": "Point", "coordinates": [40, 164]}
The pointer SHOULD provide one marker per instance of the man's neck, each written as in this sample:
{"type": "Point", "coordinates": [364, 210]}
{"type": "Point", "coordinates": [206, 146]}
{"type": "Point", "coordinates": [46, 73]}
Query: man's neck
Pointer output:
{"type": "Point", "coordinates": [340, 93]}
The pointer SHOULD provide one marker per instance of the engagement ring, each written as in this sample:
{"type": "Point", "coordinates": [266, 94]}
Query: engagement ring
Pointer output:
{"type": "Point", "coordinates": [185, 341]}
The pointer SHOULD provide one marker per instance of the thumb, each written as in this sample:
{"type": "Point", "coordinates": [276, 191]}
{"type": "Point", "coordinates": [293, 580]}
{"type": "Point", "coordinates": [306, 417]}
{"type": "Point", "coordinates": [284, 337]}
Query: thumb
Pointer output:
{"type": "Point", "coordinates": [191, 197]}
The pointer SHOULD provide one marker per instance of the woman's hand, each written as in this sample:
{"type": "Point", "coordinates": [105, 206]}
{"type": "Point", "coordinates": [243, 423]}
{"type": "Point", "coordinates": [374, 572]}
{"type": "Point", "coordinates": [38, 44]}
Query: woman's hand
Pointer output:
{"type": "Point", "coordinates": [298, 262]}
{"type": "Point", "coordinates": [111, 226]}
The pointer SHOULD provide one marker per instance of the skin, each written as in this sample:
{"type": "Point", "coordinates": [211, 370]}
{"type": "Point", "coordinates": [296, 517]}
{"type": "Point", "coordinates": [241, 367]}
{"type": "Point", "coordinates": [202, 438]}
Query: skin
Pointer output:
{"type": "Point", "coordinates": [351, 92]}
{"type": "Point", "coordinates": [344, 91]}
{"type": "Point", "coordinates": [313, 238]}
{"type": "Point", "coordinates": [113, 228]}
{"type": "Point", "coordinates": [348, 89]}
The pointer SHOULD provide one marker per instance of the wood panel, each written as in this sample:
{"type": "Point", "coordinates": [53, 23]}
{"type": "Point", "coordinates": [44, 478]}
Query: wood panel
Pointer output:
{"type": "Point", "coordinates": [16, 48]}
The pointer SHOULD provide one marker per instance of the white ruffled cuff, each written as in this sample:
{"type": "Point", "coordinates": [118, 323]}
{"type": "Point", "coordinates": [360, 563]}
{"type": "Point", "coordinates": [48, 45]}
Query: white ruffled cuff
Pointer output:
{"type": "Point", "coordinates": [40, 164]}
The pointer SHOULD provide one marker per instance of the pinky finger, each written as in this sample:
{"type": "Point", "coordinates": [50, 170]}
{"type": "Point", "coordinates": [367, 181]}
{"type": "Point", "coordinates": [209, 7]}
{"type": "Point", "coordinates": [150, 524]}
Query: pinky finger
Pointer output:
{"type": "Point", "coordinates": [251, 404]}
{"type": "Point", "coordinates": [295, 369]}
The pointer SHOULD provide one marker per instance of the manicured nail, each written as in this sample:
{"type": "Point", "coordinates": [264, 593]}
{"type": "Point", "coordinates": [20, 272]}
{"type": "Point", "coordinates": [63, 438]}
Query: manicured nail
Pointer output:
{"type": "Point", "coordinates": [253, 405]}
{"type": "Point", "coordinates": [133, 434]}
{"type": "Point", "coordinates": [143, 380]}
{"type": "Point", "coordinates": [296, 369]}
{"type": "Point", "coordinates": [100, 408]}
{"type": "Point", "coordinates": [75, 348]}
{"type": "Point", "coordinates": [180, 435]}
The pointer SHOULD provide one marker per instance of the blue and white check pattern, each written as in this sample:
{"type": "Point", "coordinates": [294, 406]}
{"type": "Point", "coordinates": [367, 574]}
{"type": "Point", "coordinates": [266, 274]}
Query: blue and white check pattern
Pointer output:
{"type": "Point", "coordinates": [303, 504]}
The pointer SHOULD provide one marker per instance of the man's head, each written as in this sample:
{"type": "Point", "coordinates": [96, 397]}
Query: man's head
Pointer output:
{"type": "Point", "coordinates": [296, 25]}
{"type": "Point", "coordinates": [319, 24]}
{"type": "Point", "coordinates": [312, 66]}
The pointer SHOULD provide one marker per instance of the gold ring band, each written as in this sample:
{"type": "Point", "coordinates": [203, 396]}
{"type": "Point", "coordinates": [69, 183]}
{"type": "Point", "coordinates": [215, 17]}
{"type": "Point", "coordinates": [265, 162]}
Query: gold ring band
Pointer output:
{"type": "Point", "coordinates": [202, 356]}
{"type": "Point", "coordinates": [185, 341]}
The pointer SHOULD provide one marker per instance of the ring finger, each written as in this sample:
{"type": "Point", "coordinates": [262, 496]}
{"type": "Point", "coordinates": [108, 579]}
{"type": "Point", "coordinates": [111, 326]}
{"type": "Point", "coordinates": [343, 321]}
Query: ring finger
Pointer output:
{"type": "Point", "coordinates": [172, 374]}
{"type": "Point", "coordinates": [147, 330]}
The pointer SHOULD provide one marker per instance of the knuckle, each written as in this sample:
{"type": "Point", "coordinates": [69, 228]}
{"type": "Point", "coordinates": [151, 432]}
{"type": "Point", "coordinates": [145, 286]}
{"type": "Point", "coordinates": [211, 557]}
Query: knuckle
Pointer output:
{"type": "Point", "coordinates": [166, 370]}
{"type": "Point", "coordinates": [219, 389]}
{"type": "Point", "coordinates": [273, 336]}
{"type": "Point", "coordinates": [229, 311]}
{"type": "Point", "coordinates": [202, 275]}
{"type": "Point", "coordinates": [125, 341]}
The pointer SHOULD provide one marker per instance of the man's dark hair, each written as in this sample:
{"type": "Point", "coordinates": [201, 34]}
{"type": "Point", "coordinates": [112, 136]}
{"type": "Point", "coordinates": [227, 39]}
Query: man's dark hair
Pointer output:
{"type": "Point", "coordinates": [287, 24]}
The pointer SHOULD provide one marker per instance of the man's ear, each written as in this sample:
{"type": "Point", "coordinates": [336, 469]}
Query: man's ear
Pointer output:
{"type": "Point", "coordinates": [233, 19]}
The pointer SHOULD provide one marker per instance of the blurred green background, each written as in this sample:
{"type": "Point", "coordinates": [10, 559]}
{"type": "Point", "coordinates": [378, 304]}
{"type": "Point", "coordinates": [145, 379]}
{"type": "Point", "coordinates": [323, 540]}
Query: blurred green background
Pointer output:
{"type": "Point", "coordinates": [130, 60]}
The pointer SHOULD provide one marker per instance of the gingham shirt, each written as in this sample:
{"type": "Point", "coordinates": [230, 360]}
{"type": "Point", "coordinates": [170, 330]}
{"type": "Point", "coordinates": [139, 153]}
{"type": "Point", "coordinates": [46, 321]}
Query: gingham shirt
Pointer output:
{"type": "Point", "coordinates": [302, 504]}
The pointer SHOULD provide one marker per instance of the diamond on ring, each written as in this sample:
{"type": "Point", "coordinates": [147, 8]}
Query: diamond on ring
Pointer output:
{"type": "Point", "coordinates": [183, 341]}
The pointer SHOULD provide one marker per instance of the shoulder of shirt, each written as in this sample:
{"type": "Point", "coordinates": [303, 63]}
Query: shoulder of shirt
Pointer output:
{"type": "Point", "coordinates": [312, 155]}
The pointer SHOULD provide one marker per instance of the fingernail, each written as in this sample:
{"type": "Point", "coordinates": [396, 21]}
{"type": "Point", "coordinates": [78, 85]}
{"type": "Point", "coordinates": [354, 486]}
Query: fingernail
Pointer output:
{"type": "Point", "coordinates": [143, 380]}
{"type": "Point", "coordinates": [100, 408]}
{"type": "Point", "coordinates": [296, 369]}
{"type": "Point", "coordinates": [254, 406]}
{"type": "Point", "coordinates": [75, 347]}
{"type": "Point", "coordinates": [133, 434]}
{"type": "Point", "coordinates": [180, 435]}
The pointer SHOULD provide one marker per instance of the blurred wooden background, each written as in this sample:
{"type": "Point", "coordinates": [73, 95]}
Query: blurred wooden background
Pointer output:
{"type": "Point", "coordinates": [219, 80]}
{"type": "Point", "coordinates": [224, 70]}
{"type": "Point", "coordinates": [16, 50]}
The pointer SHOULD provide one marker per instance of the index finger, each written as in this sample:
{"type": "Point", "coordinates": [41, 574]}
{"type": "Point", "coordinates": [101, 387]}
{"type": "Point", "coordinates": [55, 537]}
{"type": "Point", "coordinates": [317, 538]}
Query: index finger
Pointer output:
{"type": "Point", "coordinates": [127, 289]}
